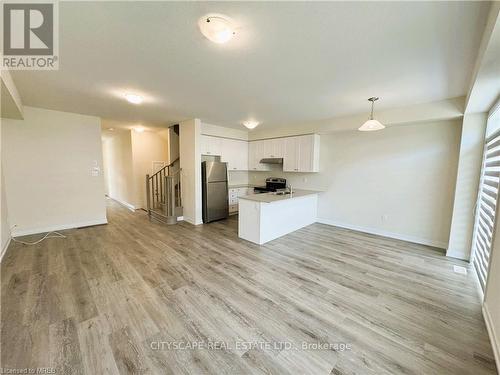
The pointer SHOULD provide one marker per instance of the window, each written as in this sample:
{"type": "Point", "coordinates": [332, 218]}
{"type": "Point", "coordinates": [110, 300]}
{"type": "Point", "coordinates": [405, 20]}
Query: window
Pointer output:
{"type": "Point", "coordinates": [487, 202]}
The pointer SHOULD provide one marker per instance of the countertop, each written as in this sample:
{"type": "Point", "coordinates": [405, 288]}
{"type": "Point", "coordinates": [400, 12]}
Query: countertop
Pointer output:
{"type": "Point", "coordinates": [270, 197]}
{"type": "Point", "coordinates": [236, 186]}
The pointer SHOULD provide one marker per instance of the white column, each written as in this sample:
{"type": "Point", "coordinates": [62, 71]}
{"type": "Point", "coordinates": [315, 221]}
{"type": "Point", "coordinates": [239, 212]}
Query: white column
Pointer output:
{"type": "Point", "coordinates": [469, 169]}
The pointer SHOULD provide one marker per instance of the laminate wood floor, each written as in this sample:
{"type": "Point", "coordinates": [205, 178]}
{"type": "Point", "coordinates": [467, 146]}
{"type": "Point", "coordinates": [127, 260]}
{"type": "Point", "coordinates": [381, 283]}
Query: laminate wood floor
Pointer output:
{"type": "Point", "coordinates": [134, 297]}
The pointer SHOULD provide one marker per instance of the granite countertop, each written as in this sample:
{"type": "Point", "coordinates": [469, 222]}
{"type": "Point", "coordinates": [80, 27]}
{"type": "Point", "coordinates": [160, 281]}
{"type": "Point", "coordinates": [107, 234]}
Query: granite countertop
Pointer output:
{"type": "Point", "coordinates": [271, 197]}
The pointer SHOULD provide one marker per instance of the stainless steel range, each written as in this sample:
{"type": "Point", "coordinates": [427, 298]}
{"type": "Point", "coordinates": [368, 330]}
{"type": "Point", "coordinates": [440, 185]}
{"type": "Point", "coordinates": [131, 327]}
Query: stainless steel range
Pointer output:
{"type": "Point", "coordinates": [273, 184]}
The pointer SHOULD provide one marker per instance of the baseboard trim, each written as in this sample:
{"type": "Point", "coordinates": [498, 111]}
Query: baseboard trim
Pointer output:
{"type": "Point", "coordinates": [131, 207]}
{"type": "Point", "coordinates": [27, 232]}
{"type": "Point", "coordinates": [495, 344]}
{"type": "Point", "coordinates": [378, 232]}
{"type": "Point", "coordinates": [4, 250]}
{"type": "Point", "coordinates": [460, 256]}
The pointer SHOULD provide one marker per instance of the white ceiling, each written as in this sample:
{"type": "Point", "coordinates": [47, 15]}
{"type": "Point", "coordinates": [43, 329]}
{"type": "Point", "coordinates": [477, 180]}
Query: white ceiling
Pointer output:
{"type": "Point", "coordinates": [289, 62]}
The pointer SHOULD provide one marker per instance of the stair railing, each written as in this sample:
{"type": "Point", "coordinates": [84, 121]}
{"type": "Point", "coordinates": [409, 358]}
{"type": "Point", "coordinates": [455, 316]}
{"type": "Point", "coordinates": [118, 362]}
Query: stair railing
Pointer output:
{"type": "Point", "coordinates": [163, 193]}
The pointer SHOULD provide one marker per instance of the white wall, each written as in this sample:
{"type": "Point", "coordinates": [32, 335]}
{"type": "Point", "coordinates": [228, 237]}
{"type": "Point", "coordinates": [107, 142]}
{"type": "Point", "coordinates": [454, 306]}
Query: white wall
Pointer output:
{"type": "Point", "coordinates": [117, 150]}
{"type": "Point", "coordinates": [219, 131]}
{"type": "Point", "coordinates": [11, 105]}
{"type": "Point", "coordinates": [190, 158]}
{"type": "Point", "coordinates": [398, 182]}
{"type": "Point", "coordinates": [4, 219]}
{"type": "Point", "coordinates": [146, 148]}
{"type": "Point", "coordinates": [5, 228]}
{"type": "Point", "coordinates": [469, 170]}
{"type": "Point", "coordinates": [172, 140]}
{"type": "Point", "coordinates": [47, 160]}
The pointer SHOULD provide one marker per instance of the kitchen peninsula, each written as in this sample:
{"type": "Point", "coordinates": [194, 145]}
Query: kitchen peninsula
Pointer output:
{"type": "Point", "coordinates": [264, 217]}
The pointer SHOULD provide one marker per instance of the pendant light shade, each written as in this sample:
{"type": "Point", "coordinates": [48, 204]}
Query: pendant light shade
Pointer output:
{"type": "Point", "coordinates": [371, 124]}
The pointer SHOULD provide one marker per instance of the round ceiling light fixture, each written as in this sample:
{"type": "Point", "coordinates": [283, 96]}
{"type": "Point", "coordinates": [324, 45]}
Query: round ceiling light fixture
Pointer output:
{"type": "Point", "coordinates": [216, 28]}
{"type": "Point", "coordinates": [372, 124]}
{"type": "Point", "coordinates": [251, 124]}
{"type": "Point", "coordinates": [133, 98]}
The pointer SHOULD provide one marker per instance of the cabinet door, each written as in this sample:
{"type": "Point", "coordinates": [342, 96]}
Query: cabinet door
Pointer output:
{"type": "Point", "coordinates": [306, 150]}
{"type": "Point", "coordinates": [242, 151]}
{"type": "Point", "coordinates": [308, 160]}
{"type": "Point", "coordinates": [205, 147]}
{"type": "Point", "coordinates": [252, 156]}
{"type": "Point", "coordinates": [211, 145]}
{"type": "Point", "coordinates": [256, 152]}
{"type": "Point", "coordinates": [228, 154]}
{"type": "Point", "coordinates": [215, 146]}
{"type": "Point", "coordinates": [278, 147]}
{"type": "Point", "coordinates": [291, 155]}
{"type": "Point", "coordinates": [267, 148]}
{"type": "Point", "coordinates": [273, 148]}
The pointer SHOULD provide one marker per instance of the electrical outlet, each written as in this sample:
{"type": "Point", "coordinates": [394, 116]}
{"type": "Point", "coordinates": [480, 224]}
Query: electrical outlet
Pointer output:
{"type": "Point", "coordinates": [384, 217]}
{"type": "Point", "coordinates": [459, 269]}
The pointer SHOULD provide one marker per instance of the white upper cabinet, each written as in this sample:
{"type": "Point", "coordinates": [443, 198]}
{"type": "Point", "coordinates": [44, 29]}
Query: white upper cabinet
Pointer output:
{"type": "Point", "coordinates": [235, 154]}
{"type": "Point", "coordinates": [301, 154]}
{"type": "Point", "coordinates": [291, 155]}
{"type": "Point", "coordinates": [211, 145]}
{"type": "Point", "coordinates": [273, 148]}
{"type": "Point", "coordinates": [256, 152]}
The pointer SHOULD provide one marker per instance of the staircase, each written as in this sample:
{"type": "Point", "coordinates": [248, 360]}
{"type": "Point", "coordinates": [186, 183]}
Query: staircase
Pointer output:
{"type": "Point", "coordinates": [163, 189]}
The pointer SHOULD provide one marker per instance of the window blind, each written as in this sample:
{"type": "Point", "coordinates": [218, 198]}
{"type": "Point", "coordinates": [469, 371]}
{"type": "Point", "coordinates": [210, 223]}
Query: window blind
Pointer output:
{"type": "Point", "coordinates": [486, 207]}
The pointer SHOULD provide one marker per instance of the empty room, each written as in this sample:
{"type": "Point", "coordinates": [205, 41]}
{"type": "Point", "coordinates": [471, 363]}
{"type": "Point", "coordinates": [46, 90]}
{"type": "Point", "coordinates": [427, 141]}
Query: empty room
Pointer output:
{"type": "Point", "coordinates": [250, 187]}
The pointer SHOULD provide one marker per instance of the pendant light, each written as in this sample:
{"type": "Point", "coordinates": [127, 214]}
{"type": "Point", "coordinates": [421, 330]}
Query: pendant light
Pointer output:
{"type": "Point", "coordinates": [371, 124]}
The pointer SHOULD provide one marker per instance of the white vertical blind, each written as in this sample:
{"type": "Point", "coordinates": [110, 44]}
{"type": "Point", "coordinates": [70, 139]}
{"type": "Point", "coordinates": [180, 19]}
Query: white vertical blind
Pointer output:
{"type": "Point", "coordinates": [486, 205]}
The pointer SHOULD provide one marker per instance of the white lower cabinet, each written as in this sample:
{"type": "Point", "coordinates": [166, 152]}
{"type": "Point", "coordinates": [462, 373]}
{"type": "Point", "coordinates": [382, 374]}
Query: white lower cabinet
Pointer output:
{"type": "Point", "coordinates": [234, 194]}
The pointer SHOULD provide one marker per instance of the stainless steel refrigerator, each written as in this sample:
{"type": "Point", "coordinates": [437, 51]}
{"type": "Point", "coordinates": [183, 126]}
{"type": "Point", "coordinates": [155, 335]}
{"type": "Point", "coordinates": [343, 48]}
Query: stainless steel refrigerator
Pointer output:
{"type": "Point", "coordinates": [214, 191]}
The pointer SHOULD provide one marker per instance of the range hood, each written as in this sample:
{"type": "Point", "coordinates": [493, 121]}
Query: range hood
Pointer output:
{"type": "Point", "coordinates": [272, 161]}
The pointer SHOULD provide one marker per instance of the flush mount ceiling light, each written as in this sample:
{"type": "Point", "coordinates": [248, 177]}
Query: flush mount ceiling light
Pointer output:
{"type": "Point", "coordinates": [133, 98]}
{"type": "Point", "coordinates": [139, 129]}
{"type": "Point", "coordinates": [371, 124]}
{"type": "Point", "coordinates": [217, 28]}
{"type": "Point", "coordinates": [251, 124]}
